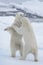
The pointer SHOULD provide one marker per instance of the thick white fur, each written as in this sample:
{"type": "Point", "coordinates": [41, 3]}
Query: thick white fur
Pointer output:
{"type": "Point", "coordinates": [28, 34]}
{"type": "Point", "coordinates": [17, 41]}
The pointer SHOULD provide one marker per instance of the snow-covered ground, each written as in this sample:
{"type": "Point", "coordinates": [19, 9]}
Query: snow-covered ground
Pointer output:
{"type": "Point", "coordinates": [5, 58]}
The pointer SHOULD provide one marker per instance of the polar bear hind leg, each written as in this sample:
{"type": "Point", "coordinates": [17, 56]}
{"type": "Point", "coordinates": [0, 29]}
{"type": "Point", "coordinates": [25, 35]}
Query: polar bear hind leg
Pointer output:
{"type": "Point", "coordinates": [35, 57]}
{"type": "Point", "coordinates": [13, 50]}
{"type": "Point", "coordinates": [35, 53]}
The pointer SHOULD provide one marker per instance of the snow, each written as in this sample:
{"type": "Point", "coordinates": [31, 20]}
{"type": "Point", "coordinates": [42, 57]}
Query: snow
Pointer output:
{"type": "Point", "coordinates": [34, 6]}
{"type": "Point", "coordinates": [1, 3]}
{"type": "Point", "coordinates": [31, 6]}
{"type": "Point", "coordinates": [5, 56]}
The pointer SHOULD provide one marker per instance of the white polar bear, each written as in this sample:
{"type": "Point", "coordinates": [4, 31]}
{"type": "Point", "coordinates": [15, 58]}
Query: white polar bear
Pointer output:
{"type": "Point", "coordinates": [17, 41]}
{"type": "Point", "coordinates": [30, 41]}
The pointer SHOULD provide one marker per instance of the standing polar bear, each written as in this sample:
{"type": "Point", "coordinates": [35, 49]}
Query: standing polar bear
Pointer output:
{"type": "Point", "coordinates": [17, 41]}
{"type": "Point", "coordinates": [27, 31]}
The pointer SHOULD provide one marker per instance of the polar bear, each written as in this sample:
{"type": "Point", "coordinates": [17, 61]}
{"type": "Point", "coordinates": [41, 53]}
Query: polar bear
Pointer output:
{"type": "Point", "coordinates": [17, 41]}
{"type": "Point", "coordinates": [29, 37]}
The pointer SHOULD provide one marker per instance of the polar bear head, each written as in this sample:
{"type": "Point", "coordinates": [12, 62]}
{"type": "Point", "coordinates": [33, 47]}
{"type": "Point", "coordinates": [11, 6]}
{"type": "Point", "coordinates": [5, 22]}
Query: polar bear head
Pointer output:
{"type": "Point", "coordinates": [18, 19]}
{"type": "Point", "coordinates": [20, 15]}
